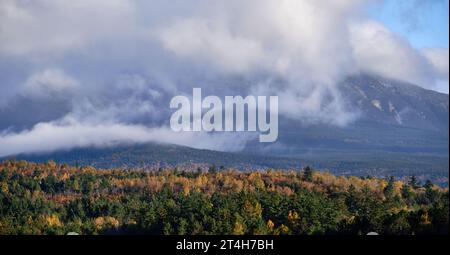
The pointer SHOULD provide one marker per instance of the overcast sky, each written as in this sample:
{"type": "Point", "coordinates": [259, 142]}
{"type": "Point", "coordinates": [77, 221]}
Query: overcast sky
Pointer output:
{"type": "Point", "coordinates": [79, 73]}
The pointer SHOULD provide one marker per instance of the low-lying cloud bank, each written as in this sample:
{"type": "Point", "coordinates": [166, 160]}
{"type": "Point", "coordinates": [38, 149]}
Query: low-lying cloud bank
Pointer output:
{"type": "Point", "coordinates": [116, 63]}
{"type": "Point", "coordinates": [69, 133]}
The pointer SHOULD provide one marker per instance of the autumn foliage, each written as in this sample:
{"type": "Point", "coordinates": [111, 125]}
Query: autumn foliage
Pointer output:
{"type": "Point", "coordinates": [56, 199]}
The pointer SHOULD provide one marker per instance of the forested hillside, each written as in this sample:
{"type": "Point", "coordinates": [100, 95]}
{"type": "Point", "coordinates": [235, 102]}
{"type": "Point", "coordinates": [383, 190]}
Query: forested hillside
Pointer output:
{"type": "Point", "coordinates": [56, 199]}
{"type": "Point", "coordinates": [152, 156]}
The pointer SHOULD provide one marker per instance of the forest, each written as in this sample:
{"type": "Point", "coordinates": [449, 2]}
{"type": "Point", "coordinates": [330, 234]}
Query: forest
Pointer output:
{"type": "Point", "coordinates": [56, 199]}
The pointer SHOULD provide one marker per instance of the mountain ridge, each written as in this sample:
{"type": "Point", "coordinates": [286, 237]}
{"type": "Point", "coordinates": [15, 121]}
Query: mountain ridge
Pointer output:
{"type": "Point", "coordinates": [402, 131]}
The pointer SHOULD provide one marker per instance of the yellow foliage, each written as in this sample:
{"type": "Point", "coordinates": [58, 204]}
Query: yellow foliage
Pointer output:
{"type": "Point", "coordinates": [398, 187]}
{"type": "Point", "coordinates": [53, 220]}
{"type": "Point", "coordinates": [106, 222]}
{"type": "Point", "coordinates": [186, 188]}
{"type": "Point", "coordinates": [285, 190]}
{"type": "Point", "coordinates": [350, 220]}
{"type": "Point", "coordinates": [238, 229]}
{"type": "Point", "coordinates": [65, 176]}
{"type": "Point", "coordinates": [282, 230]}
{"type": "Point", "coordinates": [293, 216]}
{"type": "Point", "coordinates": [51, 164]}
{"type": "Point", "coordinates": [424, 219]}
{"type": "Point", "coordinates": [30, 220]}
{"type": "Point", "coordinates": [89, 170]}
{"type": "Point", "coordinates": [270, 225]}
{"type": "Point", "coordinates": [4, 187]}
{"type": "Point", "coordinates": [253, 211]}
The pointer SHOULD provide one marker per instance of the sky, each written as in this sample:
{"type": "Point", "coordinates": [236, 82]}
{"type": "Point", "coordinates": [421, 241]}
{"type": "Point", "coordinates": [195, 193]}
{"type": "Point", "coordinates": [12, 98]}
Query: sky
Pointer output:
{"type": "Point", "coordinates": [83, 73]}
{"type": "Point", "coordinates": [423, 23]}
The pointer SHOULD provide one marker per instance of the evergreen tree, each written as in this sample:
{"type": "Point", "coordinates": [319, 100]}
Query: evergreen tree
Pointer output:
{"type": "Point", "coordinates": [407, 194]}
{"type": "Point", "coordinates": [213, 169]}
{"type": "Point", "coordinates": [389, 189]}
{"type": "Point", "coordinates": [413, 182]}
{"type": "Point", "coordinates": [430, 193]}
{"type": "Point", "coordinates": [199, 171]}
{"type": "Point", "coordinates": [308, 174]}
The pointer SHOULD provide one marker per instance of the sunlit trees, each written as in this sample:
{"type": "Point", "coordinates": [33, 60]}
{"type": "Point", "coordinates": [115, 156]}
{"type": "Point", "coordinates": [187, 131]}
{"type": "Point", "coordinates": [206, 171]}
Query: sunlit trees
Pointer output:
{"type": "Point", "coordinates": [106, 223]}
{"type": "Point", "coordinates": [56, 199]}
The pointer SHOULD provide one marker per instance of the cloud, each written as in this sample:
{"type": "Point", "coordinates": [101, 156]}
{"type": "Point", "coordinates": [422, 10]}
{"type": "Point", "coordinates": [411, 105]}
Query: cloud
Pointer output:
{"type": "Point", "coordinates": [292, 40]}
{"type": "Point", "coordinates": [202, 40]}
{"type": "Point", "coordinates": [378, 50]}
{"type": "Point", "coordinates": [439, 58]}
{"type": "Point", "coordinates": [69, 133]}
{"type": "Point", "coordinates": [275, 37]}
{"type": "Point", "coordinates": [53, 27]}
{"type": "Point", "coordinates": [48, 83]}
{"type": "Point", "coordinates": [114, 65]}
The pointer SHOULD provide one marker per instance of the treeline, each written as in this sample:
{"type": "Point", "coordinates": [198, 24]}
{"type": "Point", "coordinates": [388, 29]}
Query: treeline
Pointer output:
{"type": "Point", "coordinates": [58, 199]}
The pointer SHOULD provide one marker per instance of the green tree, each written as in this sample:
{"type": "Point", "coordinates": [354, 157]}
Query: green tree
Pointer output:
{"type": "Point", "coordinates": [389, 189]}
{"type": "Point", "coordinates": [213, 169]}
{"type": "Point", "coordinates": [413, 182]}
{"type": "Point", "coordinates": [407, 194]}
{"type": "Point", "coordinates": [430, 193]}
{"type": "Point", "coordinates": [308, 174]}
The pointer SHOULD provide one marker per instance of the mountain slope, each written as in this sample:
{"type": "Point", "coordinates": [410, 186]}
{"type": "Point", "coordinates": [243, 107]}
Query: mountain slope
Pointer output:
{"type": "Point", "coordinates": [152, 156]}
{"type": "Point", "coordinates": [402, 130]}
{"type": "Point", "coordinates": [397, 103]}
{"type": "Point", "coordinates": [393, 117]}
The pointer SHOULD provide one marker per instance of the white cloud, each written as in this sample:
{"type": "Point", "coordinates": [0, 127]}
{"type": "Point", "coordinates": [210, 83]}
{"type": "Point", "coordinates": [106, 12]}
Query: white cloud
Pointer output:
{"type": "Point", "coordinates": [303, 42]}
{"type": "Point", "coordinates": [439, 58]}
{"type": "Point", "coordinates": [53, 27]}
{"type": "Point", "coordinates": [124, 59]}
{"type": "Point", "coordinates": [378, 50]}
{"type": "Point", "coordinates": [48, 83]}
{"type": "Point", "coordinates": [205, 41]}
{"type": "Point", "coordinates": [308, 41]}
{"type": "Point", "coordinates": [296, 39]}
{"type": "Point", "coordinates": [69, 133]}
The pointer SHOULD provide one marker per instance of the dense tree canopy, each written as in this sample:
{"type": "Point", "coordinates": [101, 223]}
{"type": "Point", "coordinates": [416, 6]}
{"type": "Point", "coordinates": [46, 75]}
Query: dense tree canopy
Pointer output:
{"type": "Point", "coordinates": [57, 199]}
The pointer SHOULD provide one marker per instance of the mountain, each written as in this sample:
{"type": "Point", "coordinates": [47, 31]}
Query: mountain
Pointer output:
{"type": "Point", "coordinates": [402, 130]}
{"type": "Point", "coordinates": [397, 103]}
{"type": "Point", "coordinates": [393, 116]}
{"type": "Point", "coordinates": [155, 155]}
